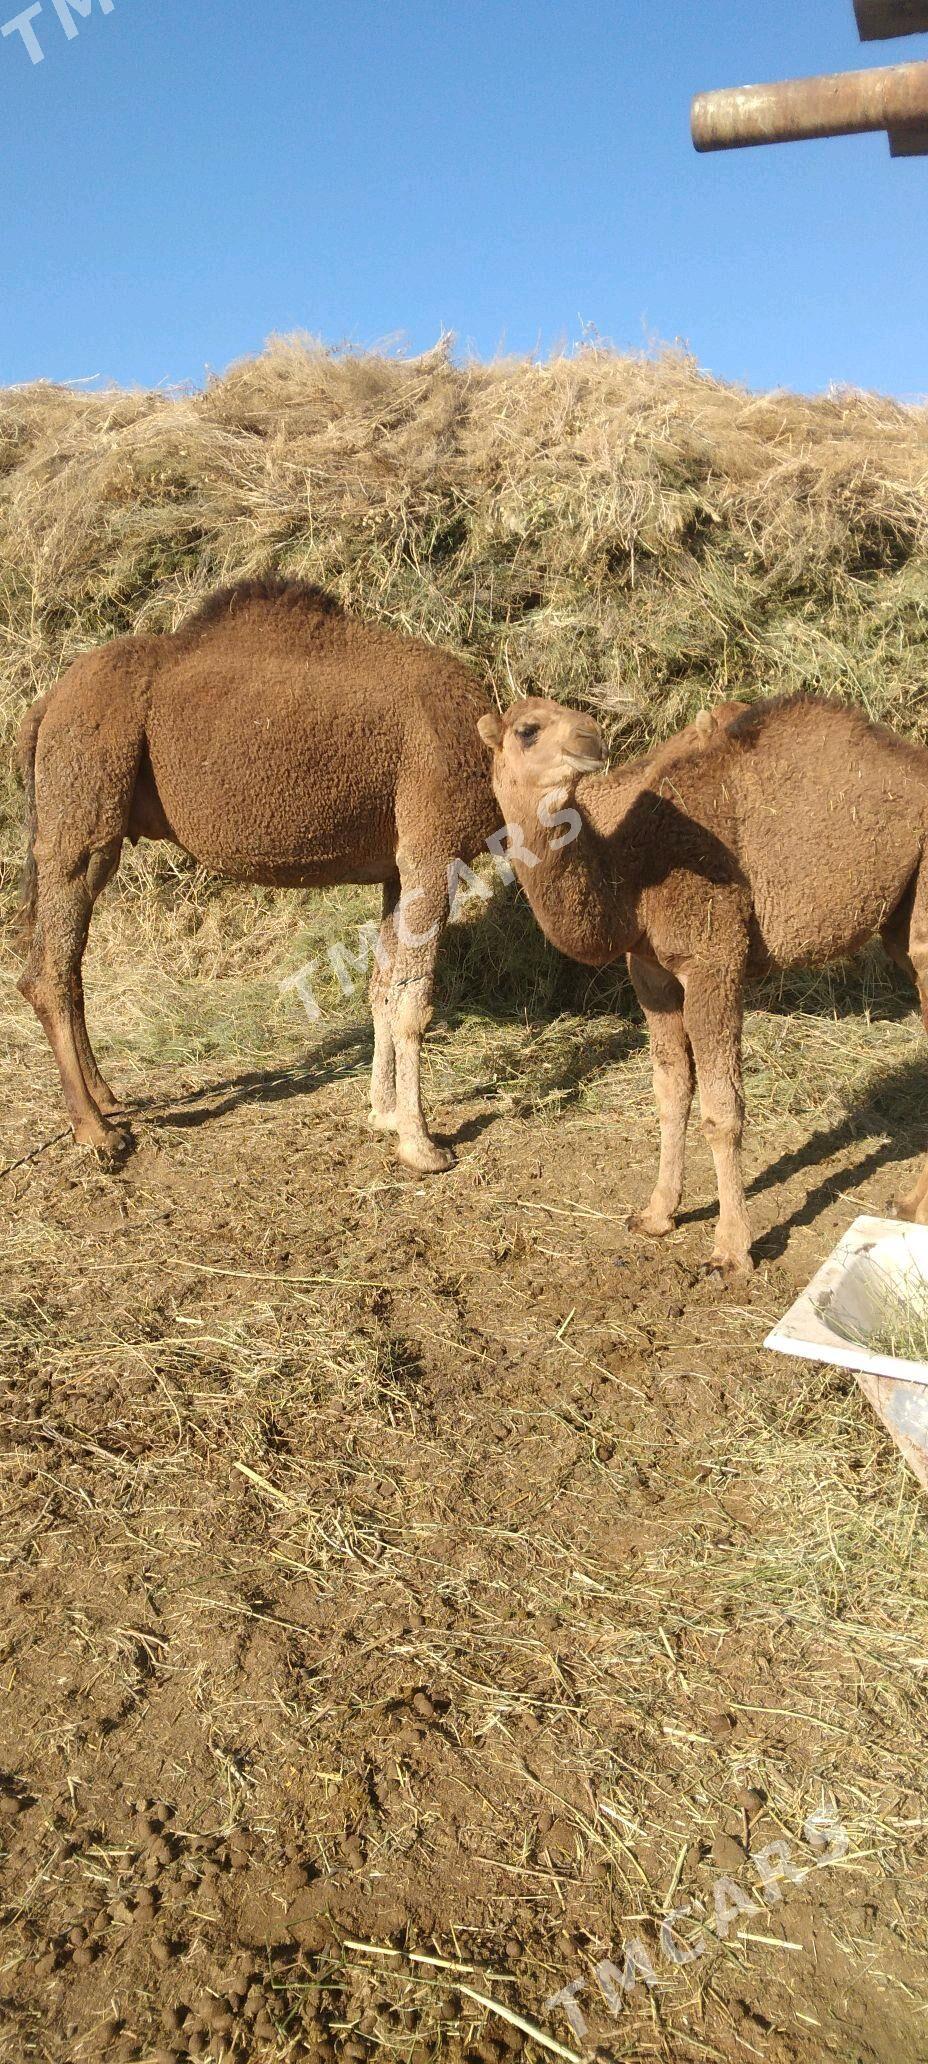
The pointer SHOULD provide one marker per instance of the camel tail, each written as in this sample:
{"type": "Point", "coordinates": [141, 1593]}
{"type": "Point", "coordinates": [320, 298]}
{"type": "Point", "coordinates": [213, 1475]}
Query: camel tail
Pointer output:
{"type": "Point", "coordinates": [29, 883]}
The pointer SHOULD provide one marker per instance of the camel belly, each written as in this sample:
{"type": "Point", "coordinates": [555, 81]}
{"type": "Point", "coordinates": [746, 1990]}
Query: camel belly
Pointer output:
{"type": "Point", "coordinates": [829, 848]}
{"type": "Point", "coordinates": [832, 919]}
{"type": "Point", "coordinates": [258, 800]}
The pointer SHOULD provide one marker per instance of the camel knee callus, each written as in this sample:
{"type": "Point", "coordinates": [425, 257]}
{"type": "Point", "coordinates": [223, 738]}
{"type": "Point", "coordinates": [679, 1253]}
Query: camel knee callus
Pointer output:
{"type": "Point", "coordinates": [278, 740]}
{"type": "Point", "coordinates": [778, 836]}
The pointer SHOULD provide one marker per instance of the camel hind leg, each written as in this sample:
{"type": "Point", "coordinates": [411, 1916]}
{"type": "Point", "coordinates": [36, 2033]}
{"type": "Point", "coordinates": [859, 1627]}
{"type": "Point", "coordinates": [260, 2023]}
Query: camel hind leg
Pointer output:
{"type": "Point", "coordinates": [712, 1016]}
{"type": "Point", "coordinates": [86, 758]}
{"type": "Point", "coordinates": [103, 866]}
{"type": "Point", "coordinates": [52, 984]}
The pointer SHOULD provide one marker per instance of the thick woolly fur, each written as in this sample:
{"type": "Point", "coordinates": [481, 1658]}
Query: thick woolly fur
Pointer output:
{"type": "Point", "coordinates": [275, 739]}
{"type": "Point", "coordinates": [794, 835]}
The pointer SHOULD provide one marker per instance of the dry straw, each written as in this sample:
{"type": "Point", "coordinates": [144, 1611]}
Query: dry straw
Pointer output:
{"type": "Point", "coordinates": [622, 531]}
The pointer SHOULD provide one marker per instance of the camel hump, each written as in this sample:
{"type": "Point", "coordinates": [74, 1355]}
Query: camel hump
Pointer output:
{"type": "Point", "coordinates": [817, 724]}
{"type": "Point", "coordinates": [711, 723]}
{"type": "Point", "coordinates": [293, 598]}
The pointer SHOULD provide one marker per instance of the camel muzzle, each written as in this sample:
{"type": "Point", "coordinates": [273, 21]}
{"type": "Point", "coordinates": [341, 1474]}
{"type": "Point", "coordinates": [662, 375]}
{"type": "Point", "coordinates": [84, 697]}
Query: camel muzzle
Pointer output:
{"type": "Point", "coordinates": [585, 763]}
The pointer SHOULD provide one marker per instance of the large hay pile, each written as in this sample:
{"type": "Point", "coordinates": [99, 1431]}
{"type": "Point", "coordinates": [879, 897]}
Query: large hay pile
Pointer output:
{"type": "Point", "coordinates": [623, 531]}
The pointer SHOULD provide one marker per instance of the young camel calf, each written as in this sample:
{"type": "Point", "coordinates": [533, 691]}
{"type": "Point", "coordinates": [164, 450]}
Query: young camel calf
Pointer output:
{"type": "Point", "coordinates": [275, 740]}
{"type": "Point", "coordinates": [797, 834]}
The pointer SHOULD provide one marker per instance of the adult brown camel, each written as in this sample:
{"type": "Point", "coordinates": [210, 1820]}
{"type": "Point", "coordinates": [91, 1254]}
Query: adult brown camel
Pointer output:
{"type": "Point", "coordinates": [796, 835]}
{"type": "Point", "coordinates": [275, 739]}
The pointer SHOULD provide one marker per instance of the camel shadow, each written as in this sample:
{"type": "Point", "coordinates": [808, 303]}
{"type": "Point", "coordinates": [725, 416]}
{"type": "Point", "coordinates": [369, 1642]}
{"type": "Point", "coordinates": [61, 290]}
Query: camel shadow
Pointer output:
{"type": "Point", "coordinates": [585, 1059]}
{"type": "Point", "coordinates": [335, 1058]}
{"type": "Point", "coordinates": [891, 1104]}
{"type": "Point", "coordinates": [588, 1052]}
{"type": "Point", "coordinates": [499, 965]}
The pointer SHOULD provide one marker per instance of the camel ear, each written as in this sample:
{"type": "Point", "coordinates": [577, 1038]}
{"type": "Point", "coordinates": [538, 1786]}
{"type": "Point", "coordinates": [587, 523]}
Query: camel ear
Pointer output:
{"type": "Point", "coordinates": [490, 728]}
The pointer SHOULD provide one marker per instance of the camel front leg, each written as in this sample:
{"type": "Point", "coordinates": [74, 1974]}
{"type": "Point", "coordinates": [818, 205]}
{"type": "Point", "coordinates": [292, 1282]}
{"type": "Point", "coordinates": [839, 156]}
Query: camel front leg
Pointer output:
{"type": "Point", "coordinates": [661, 998]}
{"type": "Point", "coordinates": [712, 1014]}
{"type": "Point", "coordinates": [383, 1072]}
{"type": "Point", "coordinates": [421, 912]}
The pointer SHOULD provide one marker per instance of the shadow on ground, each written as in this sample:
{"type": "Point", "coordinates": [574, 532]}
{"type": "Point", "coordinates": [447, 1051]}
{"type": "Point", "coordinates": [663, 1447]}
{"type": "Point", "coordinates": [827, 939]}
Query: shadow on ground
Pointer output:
{"type": "Point", "coordinates": [885, 1116]}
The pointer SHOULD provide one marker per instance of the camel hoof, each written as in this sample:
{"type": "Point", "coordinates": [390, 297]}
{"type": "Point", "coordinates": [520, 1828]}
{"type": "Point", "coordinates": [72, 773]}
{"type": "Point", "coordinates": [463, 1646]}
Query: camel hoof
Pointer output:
{"type": "Point", "coordinates": [913, 1210]}
{"type": "Point", "coordinates": [728, 1268]}
{"type": "Point", "coordinates": [382, 1121]}
{"type": "Point", "coordinates": [653, 1228]}
{"type": "Point", "coordinates": [111, 1144]}
{"type": "Point", "coordinates": [425, 1157]}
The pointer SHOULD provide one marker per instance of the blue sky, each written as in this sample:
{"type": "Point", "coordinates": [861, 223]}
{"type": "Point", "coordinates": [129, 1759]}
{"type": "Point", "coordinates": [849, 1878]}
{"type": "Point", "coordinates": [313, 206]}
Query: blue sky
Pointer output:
{"type": "Point", "coordinates": [185, 176]}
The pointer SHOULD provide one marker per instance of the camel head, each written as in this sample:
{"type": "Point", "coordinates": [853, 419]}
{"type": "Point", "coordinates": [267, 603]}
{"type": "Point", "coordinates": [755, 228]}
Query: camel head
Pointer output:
{"type": "Point", "coordinates": [541, 745]}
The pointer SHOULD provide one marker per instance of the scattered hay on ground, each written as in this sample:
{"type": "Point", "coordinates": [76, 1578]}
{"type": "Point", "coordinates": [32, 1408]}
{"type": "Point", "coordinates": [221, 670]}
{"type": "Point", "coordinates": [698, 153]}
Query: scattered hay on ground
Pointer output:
{"type": "Point", "coordinates": [413, 1592]}
{"type": "Point", "coordinates": [437, 1569]}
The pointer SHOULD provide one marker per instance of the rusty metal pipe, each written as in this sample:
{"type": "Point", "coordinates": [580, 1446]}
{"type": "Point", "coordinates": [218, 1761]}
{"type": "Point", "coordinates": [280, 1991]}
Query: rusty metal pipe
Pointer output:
{"type": "Point", "coordinates": [894, 97]}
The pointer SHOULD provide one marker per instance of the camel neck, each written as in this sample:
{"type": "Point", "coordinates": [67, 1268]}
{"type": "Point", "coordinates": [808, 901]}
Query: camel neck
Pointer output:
{"type": "Point", "coordinates": [576, 886]}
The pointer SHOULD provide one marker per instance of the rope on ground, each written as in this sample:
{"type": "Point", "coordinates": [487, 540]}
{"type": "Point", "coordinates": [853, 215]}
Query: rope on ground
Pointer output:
{"type": "Point", "coordinates": [145, 1110]}
{"type": "Point", "coordinates": [24, 1159]}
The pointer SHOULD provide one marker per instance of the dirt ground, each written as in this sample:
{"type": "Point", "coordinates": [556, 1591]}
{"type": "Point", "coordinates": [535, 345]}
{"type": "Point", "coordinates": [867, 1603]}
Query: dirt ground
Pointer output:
{"type": "Point", "coordinates": [413, 1592]}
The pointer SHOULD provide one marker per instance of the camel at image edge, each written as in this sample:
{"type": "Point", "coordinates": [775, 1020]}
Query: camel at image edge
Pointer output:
{"type": "Point", "coordinates": [796, 835]}
{"type": "Point", "coordinates": [278, 740]}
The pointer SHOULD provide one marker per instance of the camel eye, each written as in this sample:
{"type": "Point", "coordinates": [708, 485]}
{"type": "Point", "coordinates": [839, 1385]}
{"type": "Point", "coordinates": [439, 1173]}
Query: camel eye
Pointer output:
{"type": "Point", "coordinates": [527, 733]}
